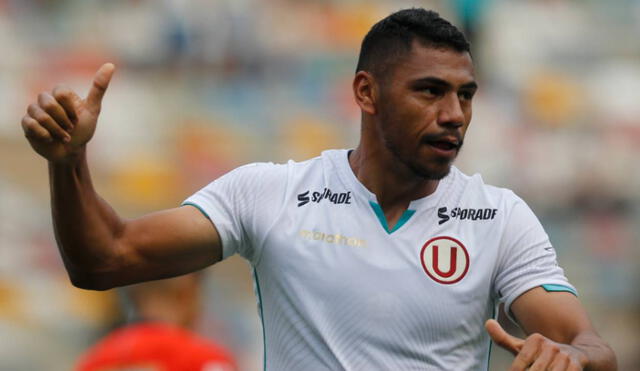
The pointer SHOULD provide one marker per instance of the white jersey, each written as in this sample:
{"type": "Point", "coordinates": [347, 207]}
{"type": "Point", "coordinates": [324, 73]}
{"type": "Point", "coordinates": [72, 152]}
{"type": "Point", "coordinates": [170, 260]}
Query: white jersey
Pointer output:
{"type": "Point", "coordinates": [339, 290]}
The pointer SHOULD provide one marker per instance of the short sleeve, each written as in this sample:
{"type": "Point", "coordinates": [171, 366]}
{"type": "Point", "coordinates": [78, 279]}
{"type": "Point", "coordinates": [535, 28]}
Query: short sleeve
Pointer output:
{"type": "Point", "coordinates": [527, 258]}
{"type": "Point", "coordinates": [241, 204]}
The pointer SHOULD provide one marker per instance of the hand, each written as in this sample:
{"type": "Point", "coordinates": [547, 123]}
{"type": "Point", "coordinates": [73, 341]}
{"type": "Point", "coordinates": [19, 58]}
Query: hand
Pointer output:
{"type": "Point", "coordinates": [537, 352]}
{"type": "Point", "coordinates": [60, 124]}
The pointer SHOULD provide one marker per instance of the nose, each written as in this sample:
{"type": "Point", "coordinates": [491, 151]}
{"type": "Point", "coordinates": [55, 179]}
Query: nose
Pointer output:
{"type": "Point", "coordinates": [451, 113]}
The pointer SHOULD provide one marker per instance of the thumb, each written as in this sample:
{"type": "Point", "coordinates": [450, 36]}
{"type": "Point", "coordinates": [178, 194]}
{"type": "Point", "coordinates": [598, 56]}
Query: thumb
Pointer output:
{"type": "Point", "coordinates": [99, 87]}
{"type": "Point", "coordinates": [500, 337]}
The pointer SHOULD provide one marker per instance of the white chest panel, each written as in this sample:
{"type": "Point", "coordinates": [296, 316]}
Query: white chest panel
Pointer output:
{"type": "Point", "coordinates": [338, 290]}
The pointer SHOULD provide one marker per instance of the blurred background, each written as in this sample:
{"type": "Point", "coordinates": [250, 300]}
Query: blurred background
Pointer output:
{"type": "Point", "coordinates": [204, 86]}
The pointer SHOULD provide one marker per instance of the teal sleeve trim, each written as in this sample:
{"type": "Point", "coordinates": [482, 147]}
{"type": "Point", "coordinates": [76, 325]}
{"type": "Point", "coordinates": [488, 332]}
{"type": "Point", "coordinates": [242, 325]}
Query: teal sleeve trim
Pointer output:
{"type": "Point", "coordinates": [197, 207]}
{"type": "Point", "coordinates": [556, 288]}
{"type": "Point", "coordinates": [377, 209]}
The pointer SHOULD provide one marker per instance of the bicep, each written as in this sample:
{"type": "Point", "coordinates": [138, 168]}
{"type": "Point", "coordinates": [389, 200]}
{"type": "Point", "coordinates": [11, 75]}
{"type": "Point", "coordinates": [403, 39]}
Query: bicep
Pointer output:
{"type": "Point", "coordinates": [557, 315]}
{"type": "Point", "coordinates": [167, 243]}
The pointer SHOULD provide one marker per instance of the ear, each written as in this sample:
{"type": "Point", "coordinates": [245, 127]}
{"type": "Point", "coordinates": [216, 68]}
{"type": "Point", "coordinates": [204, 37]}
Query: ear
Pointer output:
{"type": "Point", "coordinates": [365, 91]}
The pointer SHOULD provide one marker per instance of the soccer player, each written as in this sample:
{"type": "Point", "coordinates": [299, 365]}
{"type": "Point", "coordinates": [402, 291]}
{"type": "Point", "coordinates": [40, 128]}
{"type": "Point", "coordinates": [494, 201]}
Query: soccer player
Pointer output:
{"type": "Point", "coordinates": [385, 257]}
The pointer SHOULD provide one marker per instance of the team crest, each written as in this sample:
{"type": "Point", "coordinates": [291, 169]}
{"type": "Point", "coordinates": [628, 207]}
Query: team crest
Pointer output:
{"type": "Point", "coordinates": [445, 259]}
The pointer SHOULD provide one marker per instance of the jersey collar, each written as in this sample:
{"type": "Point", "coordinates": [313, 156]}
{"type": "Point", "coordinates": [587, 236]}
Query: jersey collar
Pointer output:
{"type": "Point", "coordinates": [340, 162]}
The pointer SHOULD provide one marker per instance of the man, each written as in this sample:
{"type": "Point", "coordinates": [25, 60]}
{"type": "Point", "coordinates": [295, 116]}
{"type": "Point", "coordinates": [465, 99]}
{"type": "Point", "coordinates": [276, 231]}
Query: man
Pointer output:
{"type": "Point", "coordinates": [384, 257]}
{"type": "Point", "coordinates": [159, 338]}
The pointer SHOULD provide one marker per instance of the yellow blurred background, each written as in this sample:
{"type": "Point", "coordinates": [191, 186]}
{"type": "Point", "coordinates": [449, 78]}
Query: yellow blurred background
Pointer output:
{"type": "Point", "coordinates": [204, 86]}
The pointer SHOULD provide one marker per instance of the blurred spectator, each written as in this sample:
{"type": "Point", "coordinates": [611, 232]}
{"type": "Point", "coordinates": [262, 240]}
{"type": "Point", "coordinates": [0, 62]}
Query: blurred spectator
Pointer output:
{"type": "Point", "coordinates": [159, 338]}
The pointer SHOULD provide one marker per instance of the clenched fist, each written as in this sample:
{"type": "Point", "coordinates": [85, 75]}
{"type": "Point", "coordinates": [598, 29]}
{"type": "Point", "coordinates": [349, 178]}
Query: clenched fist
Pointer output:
{"type": "Point", "coordinates": [60, 123]}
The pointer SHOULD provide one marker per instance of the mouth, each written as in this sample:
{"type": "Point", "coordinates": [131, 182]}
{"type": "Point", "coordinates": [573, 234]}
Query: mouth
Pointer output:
{"type": "Point", "coordinates": [444, 146]}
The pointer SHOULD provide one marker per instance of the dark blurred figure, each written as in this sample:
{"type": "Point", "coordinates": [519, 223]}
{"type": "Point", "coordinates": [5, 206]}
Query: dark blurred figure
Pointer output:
{"type": "Point", "coordinates": [159, 337]}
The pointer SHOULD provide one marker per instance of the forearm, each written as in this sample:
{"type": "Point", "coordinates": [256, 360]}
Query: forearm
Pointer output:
{"type": "Point", "coordinates": [86, 227]}
{"type": "Point", "coordinates": [601, 356]}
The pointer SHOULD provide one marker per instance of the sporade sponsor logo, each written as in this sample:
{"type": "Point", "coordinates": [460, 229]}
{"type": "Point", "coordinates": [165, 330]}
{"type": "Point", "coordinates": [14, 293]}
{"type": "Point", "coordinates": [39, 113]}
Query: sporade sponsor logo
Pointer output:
{"type": "Point", "coordinates": [466, 214]}
{"type": "Point", "coordinates": [333, 197]}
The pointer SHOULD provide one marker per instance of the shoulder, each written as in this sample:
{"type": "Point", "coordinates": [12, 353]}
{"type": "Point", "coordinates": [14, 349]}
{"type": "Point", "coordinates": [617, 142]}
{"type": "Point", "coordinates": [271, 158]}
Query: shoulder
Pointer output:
{"type": "Point", "coordinates": [268, 170]}
{"type": "Point", "coordinates": [254, 169]}
{"type": "Point", "coordinates": [266, 181]}
{"type": "Point", "coordinates": [287, 174]}
{"type": "Point", "coordinates": [473, 187]}
{"type": "Point", "coordinates": [157, 334]}
{"type": "Point", "coordinates": [253, 178]}
{"type": "Point", "coordinates": [515, 215]}
{"type": "Point", "coordinates": [142, 332]}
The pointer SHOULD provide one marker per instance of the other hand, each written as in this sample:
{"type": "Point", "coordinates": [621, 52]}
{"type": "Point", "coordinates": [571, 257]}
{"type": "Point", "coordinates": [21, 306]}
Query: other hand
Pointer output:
{"type": "Point", "coordinates": [536, 352]}
{"type": "Point", "coordinates": [60, 123]}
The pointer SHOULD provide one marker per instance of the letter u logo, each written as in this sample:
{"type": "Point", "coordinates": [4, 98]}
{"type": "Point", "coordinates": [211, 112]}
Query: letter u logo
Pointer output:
{"type": "Point", "coordinates": [444, 259]}
{"type": "Point", "coordinates": [453, 254]}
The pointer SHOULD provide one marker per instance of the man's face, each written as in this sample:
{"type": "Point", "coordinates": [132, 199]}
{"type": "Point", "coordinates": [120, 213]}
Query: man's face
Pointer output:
{"type": "Point", "coordinates": [424, 108]}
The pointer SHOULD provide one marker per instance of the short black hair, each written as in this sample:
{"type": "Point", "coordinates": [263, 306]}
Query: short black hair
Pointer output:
{"type": "Point", "coordinates": [392, 37]}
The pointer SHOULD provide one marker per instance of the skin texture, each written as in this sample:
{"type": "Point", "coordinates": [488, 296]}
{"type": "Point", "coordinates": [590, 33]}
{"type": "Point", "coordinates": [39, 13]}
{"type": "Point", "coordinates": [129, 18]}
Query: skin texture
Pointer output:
{"type": "Point", "coordinates": [426, 97]}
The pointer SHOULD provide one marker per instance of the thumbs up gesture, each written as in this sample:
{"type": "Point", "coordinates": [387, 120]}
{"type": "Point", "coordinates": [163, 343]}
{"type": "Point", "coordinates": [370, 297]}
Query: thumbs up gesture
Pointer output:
{"type": "Point", "coordinates": [60, 123]}
{"type": "Point", "coordinates": [537, 352]}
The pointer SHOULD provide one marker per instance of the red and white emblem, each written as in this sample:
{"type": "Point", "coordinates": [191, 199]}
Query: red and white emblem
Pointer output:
{"type": "Point", "coordinates": [445, 259]}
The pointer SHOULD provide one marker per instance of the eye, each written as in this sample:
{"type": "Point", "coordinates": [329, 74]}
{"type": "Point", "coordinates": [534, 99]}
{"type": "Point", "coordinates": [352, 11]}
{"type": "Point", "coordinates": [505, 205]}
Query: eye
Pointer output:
{"type": "Point", "coordinates": [432, 92]}
{"type": "Point", "coordinates": [466, 95]}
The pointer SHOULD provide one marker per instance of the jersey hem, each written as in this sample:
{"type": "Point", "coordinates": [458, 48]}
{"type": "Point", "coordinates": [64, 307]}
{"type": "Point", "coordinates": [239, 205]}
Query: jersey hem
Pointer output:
{"type": "Point", "coordinates": [197, 207]}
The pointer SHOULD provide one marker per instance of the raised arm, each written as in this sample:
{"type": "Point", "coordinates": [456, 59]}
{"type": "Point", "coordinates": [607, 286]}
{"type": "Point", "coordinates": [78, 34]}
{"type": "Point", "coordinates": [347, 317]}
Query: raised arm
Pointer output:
{"type": "Point", "coordinates": [100, 250]}
{"type": "Point", "coordinates": [560, 335]}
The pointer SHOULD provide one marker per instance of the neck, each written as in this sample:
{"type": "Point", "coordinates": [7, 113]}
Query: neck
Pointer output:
{"type": "Point", "coordinates": [382, 173]}
{"type": "Point", "coordinates": [392, 182]}
{"type": "Point", "coordinates": [162, 311]}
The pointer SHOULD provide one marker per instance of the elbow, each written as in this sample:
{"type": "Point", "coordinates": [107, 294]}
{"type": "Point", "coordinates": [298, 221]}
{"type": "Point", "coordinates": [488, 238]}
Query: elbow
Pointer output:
{"type": "Point", "coordinates": [97, 273]}
{"type": "Point", "coordinates": [91, 281]}
{"type": "Point", "coordinates": [91, 285]}
{"type": "Point", "coordinates": [611, 359]}
{"type": "Point", "coordinates": [601, 355]}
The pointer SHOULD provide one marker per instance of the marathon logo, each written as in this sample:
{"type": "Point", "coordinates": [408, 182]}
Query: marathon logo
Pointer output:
{"type": "Point", "coordinates": [466, 214]}
{"type": "Point", "coordinates": [335, 198]}
{"type": "Point", "coordinates": [334, 239]}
